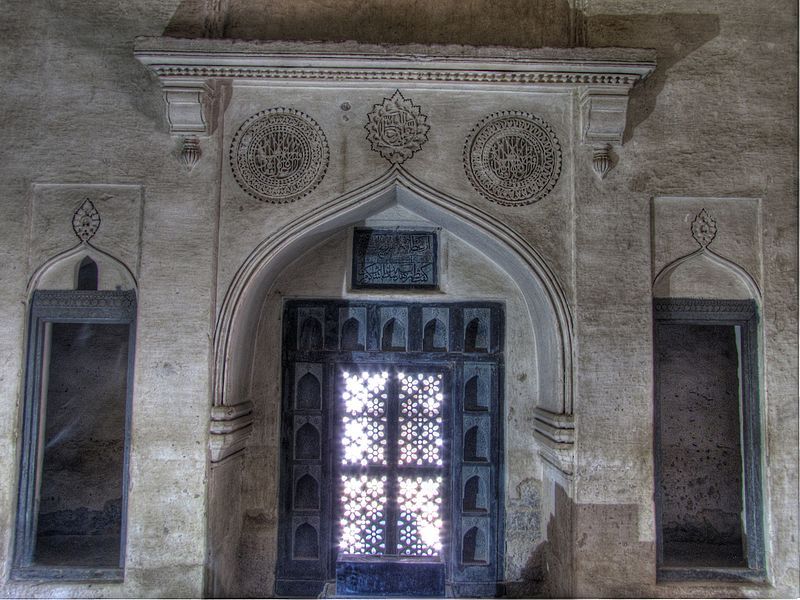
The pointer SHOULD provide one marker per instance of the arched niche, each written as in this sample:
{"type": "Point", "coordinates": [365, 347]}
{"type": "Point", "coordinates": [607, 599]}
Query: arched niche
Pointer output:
{"type": "Point", "coordinates": [551, 341]}
{"type": "Point", "coordinates": [61, 271]}
{"type": "Point", "coordinates": [306, 261]}
{"type": "Point", "coordinates": [705, 274]}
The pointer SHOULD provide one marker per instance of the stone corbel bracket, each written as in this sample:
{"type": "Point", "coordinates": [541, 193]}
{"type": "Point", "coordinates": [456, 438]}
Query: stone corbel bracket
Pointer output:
{"type": "Point", "coordinates": [555, 433]}
{"type": "Point", "coordinates": [192, 106]}
{"type": "Point", "coordinates": [604, 114]}
{"type": "Point", "coordinates": [190, 71]}
{"type": "Point", "coordinates": [230, 428]}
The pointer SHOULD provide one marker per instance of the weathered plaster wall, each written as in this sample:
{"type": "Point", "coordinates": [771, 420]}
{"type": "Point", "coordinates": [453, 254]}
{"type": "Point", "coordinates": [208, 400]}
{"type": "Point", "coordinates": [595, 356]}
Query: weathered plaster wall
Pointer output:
{"type": "Point", "coordinates": [78, 109]}
{"type": "Point", "coordinates": [717, 119]}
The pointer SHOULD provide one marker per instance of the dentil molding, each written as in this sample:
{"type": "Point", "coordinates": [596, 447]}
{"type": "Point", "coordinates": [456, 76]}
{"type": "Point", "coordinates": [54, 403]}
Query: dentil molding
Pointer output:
{"type": "Point", "coordinates": [195, 72]}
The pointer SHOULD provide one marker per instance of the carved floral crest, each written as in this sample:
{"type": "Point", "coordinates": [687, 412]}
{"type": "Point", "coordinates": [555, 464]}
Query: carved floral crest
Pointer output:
{"type": "Point", "coordinates": [704, 228]}
{"type": "Point", "coordinates": [396, 128]}
{"type": "Point", "coordinates": [86, 221]}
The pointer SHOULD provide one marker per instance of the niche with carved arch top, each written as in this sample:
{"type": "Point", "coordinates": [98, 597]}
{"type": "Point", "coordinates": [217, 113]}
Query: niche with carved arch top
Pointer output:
{"type": "Point", "coordinates": [71, 518]}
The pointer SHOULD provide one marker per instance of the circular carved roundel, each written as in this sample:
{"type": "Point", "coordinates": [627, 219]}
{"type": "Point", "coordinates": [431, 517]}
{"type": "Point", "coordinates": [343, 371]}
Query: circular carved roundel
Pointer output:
{"type": "Point", "coordinates": [512, 158]}
{"type": "Point", "coordinates": [279, 155]}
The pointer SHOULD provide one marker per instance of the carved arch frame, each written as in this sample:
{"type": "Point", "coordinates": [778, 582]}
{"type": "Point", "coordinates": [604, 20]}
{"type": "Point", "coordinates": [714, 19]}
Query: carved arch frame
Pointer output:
{"type": "Point", "coordinates": [552, 343]}
{"type": "Point", "coordinates": [538, 284]}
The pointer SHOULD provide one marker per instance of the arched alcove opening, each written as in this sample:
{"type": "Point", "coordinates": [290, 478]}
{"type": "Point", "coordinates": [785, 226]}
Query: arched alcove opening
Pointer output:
{"type": "Point", "coordinates": [76, 422]}
{"type": "Point", "coordinates": [538, 310]}
{"type": "Point", "coordinates": [350, 335]}
{"type": "Point", "coordinates": [705, 274]}
{"type": "Point", "coordinates": [707, 416]}
{"type": "Point", "coordinates": [82, 267]}
{"type": "Point", "coordinates": [87, 275]}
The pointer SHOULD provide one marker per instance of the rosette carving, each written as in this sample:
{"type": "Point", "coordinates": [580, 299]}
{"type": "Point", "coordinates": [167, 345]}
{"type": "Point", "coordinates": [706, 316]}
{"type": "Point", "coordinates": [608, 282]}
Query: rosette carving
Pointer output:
{"type": "Point", "coordinates": [279, 155]}
{"type": "Point", "coordinates": [512, 158]}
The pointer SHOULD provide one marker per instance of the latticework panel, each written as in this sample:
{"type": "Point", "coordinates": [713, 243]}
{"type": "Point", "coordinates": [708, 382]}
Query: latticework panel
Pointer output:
{"type": "Point", "coordinates": [364, 420]}
{"type": "Point", "coordinates": [420, 441]}
{"type": "Point", "coordinates": [363, 521]}
{"type": "Point", "coordinates": [419, 522]}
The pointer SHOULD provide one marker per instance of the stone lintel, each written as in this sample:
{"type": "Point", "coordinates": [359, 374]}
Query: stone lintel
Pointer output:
{"type": "Point", "coordinates": [191, 69]}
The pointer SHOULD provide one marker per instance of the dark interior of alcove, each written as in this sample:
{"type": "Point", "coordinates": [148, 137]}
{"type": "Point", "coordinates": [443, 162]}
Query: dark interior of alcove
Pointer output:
{"type": "Point", "coordinates": [79, 521]}
{"type": "Point", "coordinates": [698, 382]}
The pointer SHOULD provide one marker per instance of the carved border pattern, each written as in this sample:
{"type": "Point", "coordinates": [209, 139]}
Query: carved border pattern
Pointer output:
{"type": "Point", "coordinates": [279, 155]}
{"type": "Point", "coordinates": [412, 75]}
{"type": "Point", "coordinates": [121, 303]}
{"type": "Point", "coordinates": [512, 158]}
{"type": "Point", "coordinates": [703, 305]}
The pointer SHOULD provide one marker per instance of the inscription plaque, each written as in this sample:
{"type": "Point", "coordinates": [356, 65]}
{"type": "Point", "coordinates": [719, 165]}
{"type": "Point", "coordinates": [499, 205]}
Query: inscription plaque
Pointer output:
{"type": "Point", "coordinates": [390, 258]}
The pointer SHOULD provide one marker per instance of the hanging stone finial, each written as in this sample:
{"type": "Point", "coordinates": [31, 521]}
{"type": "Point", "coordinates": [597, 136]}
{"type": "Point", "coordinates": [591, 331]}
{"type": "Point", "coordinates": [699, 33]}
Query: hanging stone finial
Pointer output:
{"type": "Point", "coordinates": [704, 228]}
{"type": "Point", "coordinates": [190, 151]}
{"type": "Point", "coordinates": [601, 160]}
{"type": "Point", "coordinates": [86, 221]}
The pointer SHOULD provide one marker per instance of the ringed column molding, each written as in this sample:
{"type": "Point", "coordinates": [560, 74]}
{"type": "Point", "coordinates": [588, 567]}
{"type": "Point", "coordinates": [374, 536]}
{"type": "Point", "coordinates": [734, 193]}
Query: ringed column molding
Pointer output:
{"type": "Point", "coordinates": [195, 72]}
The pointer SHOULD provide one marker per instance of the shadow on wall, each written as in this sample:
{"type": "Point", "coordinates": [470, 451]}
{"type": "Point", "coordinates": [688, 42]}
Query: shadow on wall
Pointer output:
{"type": "Point", "coordinates": [548, 571]}
{"type": "Point", "coordinates": [517, 23]}
{"type": "Point", "coordinates": [536, 23]}
{"type": "Point", "coordinates": [674, 37]}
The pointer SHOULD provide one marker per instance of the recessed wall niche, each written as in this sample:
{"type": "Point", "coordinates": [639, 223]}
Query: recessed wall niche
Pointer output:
{"type": "Point", "coordinates": [71, 513]}
{"type": "Point", "coordinates": [708, 481]}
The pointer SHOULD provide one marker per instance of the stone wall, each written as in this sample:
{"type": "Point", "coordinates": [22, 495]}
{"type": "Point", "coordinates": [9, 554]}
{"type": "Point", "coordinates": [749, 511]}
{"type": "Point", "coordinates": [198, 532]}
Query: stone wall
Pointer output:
{"type": "Point", "coordinates": [717, 120]}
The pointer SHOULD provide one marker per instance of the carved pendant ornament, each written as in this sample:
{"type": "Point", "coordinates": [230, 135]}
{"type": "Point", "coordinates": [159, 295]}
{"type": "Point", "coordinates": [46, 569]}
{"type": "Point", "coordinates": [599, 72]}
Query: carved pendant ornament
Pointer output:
{"type": "Point", "coordinates": [86, 221]}
{"type": "Point", "coordinates": [396, 128]}
{"type": "Point", "coordinates": [704, 229]}
{"type": "Point", "coordinates": [512, 158]}
{"type": "Point", "coordinates": [279, 155]}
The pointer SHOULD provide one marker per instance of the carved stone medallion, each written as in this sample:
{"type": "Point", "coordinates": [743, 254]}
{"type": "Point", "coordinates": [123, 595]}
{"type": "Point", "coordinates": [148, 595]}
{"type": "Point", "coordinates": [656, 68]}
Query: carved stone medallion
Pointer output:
{"type": "Point", "coordinates": [512, 158]}
{"type": "Point", "coordinates": [396, 128]}
{"type": "Point", "coordinates": [279, 155]}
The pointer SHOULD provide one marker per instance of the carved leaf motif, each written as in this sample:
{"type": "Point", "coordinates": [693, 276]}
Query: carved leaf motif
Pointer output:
{"type": "Point", "coordinates": [396, 128]}
{"type": "Point", "coordinates": [704, 228]}
{"type": "Point", "coordinates": [86, 221]}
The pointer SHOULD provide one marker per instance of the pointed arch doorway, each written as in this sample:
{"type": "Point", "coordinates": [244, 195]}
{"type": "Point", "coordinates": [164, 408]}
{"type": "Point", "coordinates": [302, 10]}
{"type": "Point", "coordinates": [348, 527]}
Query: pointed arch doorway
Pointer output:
{"type": "Point", "coordinates": [546, 344]}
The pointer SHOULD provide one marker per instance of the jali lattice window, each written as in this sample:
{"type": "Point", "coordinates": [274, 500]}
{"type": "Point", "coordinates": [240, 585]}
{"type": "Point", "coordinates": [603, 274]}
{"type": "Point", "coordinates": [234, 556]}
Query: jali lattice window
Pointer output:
{"type": "Point", "coordinates": [392, 451]}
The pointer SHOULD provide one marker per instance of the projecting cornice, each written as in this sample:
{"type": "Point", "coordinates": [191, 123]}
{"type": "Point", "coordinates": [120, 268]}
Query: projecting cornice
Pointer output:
{"type": "Point", "coordinates": [192, 71]}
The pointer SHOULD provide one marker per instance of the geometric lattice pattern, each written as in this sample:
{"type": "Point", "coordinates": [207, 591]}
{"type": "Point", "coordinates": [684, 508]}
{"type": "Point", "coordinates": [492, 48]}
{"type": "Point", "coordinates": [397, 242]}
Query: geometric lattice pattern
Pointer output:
{"type": "Point", "coordinates": [404, 482]}
{"type": "Point", "coordinates": [363, 522]}
{"type": "Point", "coordinates": [419, 522]}
{"type": "Point", "coordinates": [364, 420]}
{"type": "Point", "coordinates": [420, 441]}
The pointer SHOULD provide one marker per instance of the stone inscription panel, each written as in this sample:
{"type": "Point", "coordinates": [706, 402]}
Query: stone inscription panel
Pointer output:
{"type": "Point", "coordinates": [384, 258]}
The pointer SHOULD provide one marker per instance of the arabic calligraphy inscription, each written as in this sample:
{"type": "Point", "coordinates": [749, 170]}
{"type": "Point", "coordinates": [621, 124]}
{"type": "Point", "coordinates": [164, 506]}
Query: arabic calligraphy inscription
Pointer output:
{"type": "Point", "coordinates": [385, 258]}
